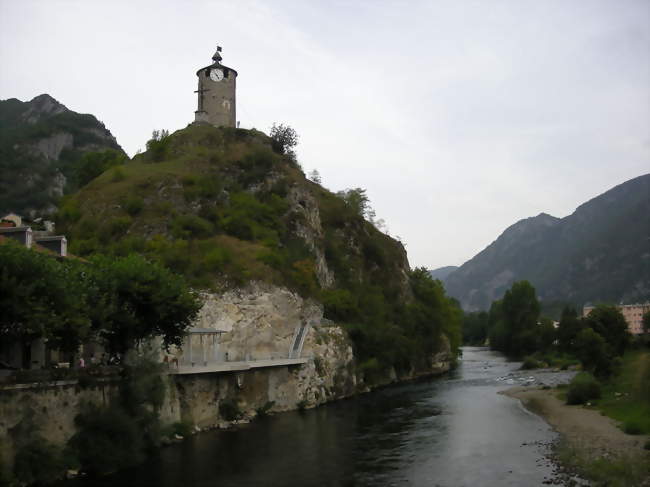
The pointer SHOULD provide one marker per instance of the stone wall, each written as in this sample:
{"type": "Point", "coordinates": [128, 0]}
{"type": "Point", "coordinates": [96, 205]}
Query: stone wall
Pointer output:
{"type": "Point", "coordinates": [258, 321]}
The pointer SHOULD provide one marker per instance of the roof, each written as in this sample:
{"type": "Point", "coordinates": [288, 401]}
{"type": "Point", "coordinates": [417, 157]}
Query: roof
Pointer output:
{"type": "Point", "coordinates": [15, 229]}
{"type": "Point", "coordinates": [217, 65]}
{"type": "Point", "coordinates": [50, 238]}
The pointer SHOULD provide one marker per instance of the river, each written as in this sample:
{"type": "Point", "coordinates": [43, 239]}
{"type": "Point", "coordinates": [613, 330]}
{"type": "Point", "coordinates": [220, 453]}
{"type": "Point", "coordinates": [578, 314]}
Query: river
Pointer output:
{"type": "Point", "coordinates": [450, 431]}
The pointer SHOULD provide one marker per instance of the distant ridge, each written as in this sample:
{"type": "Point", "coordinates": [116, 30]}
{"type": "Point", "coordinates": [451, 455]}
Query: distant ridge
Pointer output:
{"type": "Point", "coordinates": [442, 272]}
{"type": "Point", "coordinates": [601, 252]}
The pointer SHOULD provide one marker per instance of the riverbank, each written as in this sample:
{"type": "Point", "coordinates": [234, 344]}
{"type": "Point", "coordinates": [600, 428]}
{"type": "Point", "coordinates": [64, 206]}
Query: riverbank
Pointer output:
{"type": "Point", "coordinates": [592, 444]}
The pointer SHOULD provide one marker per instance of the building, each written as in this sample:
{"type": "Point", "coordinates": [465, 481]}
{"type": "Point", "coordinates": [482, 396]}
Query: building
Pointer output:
{"type": "Point", "coordinates": [216, 94]}
{"type": "Point", "coordinates": [11, 220]}
{"type": "Point", "coordinates": [633, 314]}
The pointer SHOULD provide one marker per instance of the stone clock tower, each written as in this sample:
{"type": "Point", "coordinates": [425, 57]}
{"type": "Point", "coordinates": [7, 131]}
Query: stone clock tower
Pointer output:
{"type": "Point", "coordinates": [216, 94]}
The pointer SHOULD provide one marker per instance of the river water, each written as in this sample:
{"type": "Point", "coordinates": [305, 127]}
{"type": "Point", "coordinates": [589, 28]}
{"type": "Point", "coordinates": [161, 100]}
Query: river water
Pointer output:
{"type": "Point", "coordinates": [451, 431]}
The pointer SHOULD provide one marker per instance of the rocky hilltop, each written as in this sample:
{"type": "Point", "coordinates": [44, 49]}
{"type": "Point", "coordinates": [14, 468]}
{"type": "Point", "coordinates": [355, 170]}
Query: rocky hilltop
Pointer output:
{"type": "Point", "coordinates": [41, 141]}
{"type": "Point", "coordinates": [598, 253]}
{"type": "Point", "coordinates": [228, 209]}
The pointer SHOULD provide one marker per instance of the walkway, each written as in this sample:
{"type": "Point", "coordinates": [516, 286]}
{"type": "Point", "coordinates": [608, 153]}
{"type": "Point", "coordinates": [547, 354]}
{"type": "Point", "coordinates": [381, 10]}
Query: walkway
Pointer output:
{"type": "Point", "coordinates": [235, 366]}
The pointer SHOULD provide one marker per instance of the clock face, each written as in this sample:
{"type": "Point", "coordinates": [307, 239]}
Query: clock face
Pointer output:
{"type": "Point", "coordinates": [216, 74]}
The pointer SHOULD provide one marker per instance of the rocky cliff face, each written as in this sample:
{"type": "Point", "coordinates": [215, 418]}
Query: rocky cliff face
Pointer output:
{"type": "Point", "coordinates": [598, 253]}
{"type": "Point", "coordinates": [40, 141]}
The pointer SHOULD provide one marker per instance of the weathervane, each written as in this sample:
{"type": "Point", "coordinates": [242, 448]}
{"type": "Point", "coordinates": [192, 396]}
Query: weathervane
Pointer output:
{"type": "Point", "coordinates": [217, 57]}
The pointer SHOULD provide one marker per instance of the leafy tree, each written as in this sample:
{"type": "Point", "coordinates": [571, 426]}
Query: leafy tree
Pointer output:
{"type": "Point", "coordinates": [432, 313]}
{"type": "Point", "coordinates": [157, 145]}
{"type": "Point", "coordinates": [356, 199]}
{"type": "Point", "coordinates": [546, 334]}
{"type": "Point", "coordinates": [92, 164]}
{"type": "Point", "coordinates": [40, 297]}
{"type": "Point", "coordinates": [475, 328]}
{"type": "Point", "coordinates": [646, 322]}
{"type": "Point", "coordinates": [516, 331]}
{"type": "Point", "coordinates": [591, 350]}
{"type": "Point", "coordinates": [315, 176]}
{"type": "Point", "coordinates": [568, 329]}
{"type": "Point", "coordinates": [142, 300]}
{"type": "Point", "coordinates": [609, 322]}
{"type": "Point", "coordinates": [283, 139]}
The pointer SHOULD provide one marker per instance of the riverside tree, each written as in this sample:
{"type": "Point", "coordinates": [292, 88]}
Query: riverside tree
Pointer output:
{"type": "Point", "coordinates": [514, 320]}
{"type": "Point", "coordinates": [120, 301]}
{"type": "Point", "coordinates": [143, 300]}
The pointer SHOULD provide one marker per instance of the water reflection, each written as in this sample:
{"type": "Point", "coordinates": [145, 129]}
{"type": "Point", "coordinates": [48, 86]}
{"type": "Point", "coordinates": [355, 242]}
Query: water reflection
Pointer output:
{"type": "Point", "coordinates": [446, 432]}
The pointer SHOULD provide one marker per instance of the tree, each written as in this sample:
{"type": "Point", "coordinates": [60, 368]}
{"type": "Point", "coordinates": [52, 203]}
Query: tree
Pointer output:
{"type": "Point", "coordinates": [140, 300]}
{"type": "Point", "coordinates": [283, 139]}
{"type": "Point", "coordinates": [157, 145]}
{"type": "Point", "coordinates": [609, 322]}
{"type": "Point", "coordinates": [520, 311]}
{"type": "Point", "coordinates": [546, 334]}
{"type": "Point", "coordinates": [92, 164]}
{"type": "Point", "coordinates": [41, 297]}
{"type": "Point", "coordinates": [591, 350]}
{"type": "Point", "coordinates": [646, 322]}
{"type": "Point", "coordinates": [475, 328]}
{"type": "Point", "coordinates": [315, 176]}
{"type": "Point", "coordinates": [569, 327]}
{"type": "Point", "coordinates": [356, 200]}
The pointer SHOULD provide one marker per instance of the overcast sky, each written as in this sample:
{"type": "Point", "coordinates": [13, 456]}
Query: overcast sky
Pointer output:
{"type": "Point", "coordinates": [458, 117]}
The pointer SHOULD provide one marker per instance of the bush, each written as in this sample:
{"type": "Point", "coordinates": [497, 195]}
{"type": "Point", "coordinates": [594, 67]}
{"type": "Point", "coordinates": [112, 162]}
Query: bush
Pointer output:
{"type": "Point", "coordinates": [229, 410]}
{"type": "Point", "coordinates": [531, 363]}
{"type": "Point", "coordinates": [38, 462]}
{"type": "Point", "coordinates": [264, 410]}
{"type": "Point", "coordinates": [632, 428]}
{"type": "Point", "coordinates": [302, 404]}
{"type": "Point", "coordinates": [118, 175]}
{"type": "Point", "coordinates": [583, 388]}
{"type": "Point", "coordinates": [133, 205]}
{"type": "Point", "coordinates": [107, 439]}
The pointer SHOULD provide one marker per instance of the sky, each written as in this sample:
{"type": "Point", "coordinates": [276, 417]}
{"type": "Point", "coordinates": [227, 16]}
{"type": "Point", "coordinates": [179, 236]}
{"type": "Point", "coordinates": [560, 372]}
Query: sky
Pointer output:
{"type": "Point", "coordinates": [457, 117]}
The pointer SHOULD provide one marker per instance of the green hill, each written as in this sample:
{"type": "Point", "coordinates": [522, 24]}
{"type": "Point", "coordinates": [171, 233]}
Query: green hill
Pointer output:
{"type": "Point", "coordinates": [224, 206]}
{"type": "Point", "coordinates": [42, 144]}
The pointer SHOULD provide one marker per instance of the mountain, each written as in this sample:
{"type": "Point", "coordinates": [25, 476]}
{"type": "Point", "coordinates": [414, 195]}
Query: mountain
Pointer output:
{"type": "Point", "coordinates": [442, 272]}
{"type": "Point", "coordinates": [41, 144]}
{"type": "Point", "coordinates": [601, 252]}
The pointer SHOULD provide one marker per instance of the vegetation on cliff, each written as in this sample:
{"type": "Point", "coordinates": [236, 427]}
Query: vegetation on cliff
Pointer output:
{"type": "Point", "coordinates": [225, 206]}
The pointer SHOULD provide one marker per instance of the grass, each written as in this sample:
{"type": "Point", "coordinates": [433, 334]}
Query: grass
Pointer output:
{"type": "Point", "coordinates": [623, 471]}
{"type": "Point", "coordinates": [626, 396]}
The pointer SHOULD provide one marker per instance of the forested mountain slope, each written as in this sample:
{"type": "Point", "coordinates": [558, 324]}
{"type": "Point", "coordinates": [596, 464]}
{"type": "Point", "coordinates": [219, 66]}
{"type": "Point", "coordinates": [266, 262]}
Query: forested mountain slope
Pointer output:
{"type": "Point", "coordinates": [601, 252]}
{"type": "Point", "coordinates": [41, 147]}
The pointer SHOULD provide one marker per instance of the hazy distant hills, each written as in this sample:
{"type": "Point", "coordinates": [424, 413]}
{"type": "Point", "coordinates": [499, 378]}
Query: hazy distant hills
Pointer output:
{"type": "Point", "coordinates": [442, 272]}
{"type": "Point", "coordinates": [601, 252]}
{"type": "Point", "coordinates": [40, 143]}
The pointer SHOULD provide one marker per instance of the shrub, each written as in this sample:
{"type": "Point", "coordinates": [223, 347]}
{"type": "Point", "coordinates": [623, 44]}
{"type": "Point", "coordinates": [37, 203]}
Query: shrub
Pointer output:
{"type": "Point", "coordinates": [133, 205]}
{"type": "Point", "coordinates": [118, 175]}
{"type": "Point", "coordinates": [38, 462]}
{"type": "Point", "coordinates": [531, 363]}
{"type": "Point", "coordinates": [302, 404]}
{"type": "Point", "coordinates": [181, 428]}
{"type": "Point", "coordinates": [264, 410]}
{"type": "Point", "coordinates": [186, 226]}
{"type": "Point", "coordinates": [229, 410]}
{"type": "Point", "coordinates": [583, 388]}
{"type": "Point", "coordinates": [107, 439]}
{"type": "Point", "coordinates": [632, 428]}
